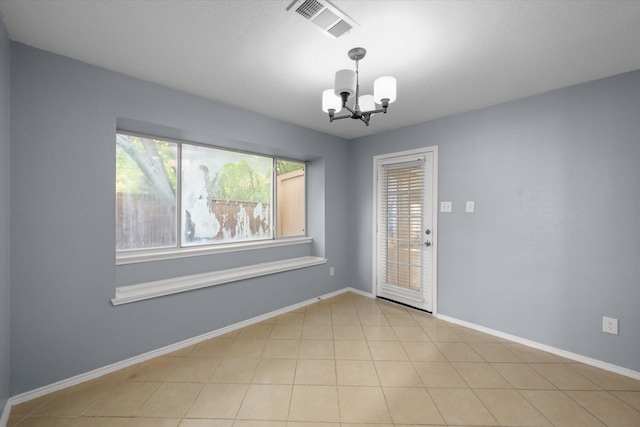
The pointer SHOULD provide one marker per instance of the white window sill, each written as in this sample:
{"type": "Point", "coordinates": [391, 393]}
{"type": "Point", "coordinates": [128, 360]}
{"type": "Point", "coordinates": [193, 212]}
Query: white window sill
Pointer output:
{"type": "Point", "coordinates": [143, 291]}
{"type": "Point", "coordinates": [132, 257]}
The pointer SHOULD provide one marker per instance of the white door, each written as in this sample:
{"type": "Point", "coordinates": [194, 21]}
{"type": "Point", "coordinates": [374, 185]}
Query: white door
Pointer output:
{"type": "Point", "coordinates": [405, 187]}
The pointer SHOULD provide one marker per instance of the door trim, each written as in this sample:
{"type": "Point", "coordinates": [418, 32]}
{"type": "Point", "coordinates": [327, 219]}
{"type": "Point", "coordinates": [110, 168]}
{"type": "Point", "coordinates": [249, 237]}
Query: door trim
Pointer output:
{"type": "Point", "coordinates": [433, 149]}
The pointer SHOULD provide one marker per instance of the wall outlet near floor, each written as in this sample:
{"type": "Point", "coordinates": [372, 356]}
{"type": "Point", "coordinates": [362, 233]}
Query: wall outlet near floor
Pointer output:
{"type": "Point", "coordinates": [331, 271]}
{"type": "Point", "coordinates": [610, 325]}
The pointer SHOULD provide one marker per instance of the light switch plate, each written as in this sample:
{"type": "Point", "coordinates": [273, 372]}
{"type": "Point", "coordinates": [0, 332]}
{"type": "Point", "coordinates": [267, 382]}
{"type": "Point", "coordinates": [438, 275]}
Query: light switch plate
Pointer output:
{"type": "Point", "coordinates": [446, 206]}
{"type": "Point", "coordinates": [470, 206]}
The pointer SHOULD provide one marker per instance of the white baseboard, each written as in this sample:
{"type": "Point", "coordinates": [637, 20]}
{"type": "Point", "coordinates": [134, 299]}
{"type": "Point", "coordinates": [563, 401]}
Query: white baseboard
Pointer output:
{"type": "Point", "coordinates": [78, 379]}
{"type": "Point", "coordinates": [359, 292]}
{"type": "Point", "coordinates": [558, 352]}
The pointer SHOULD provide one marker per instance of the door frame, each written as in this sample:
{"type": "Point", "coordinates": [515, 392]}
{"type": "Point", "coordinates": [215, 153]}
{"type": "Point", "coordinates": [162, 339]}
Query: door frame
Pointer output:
{"type": "Point", "coordinates": [434, 238]}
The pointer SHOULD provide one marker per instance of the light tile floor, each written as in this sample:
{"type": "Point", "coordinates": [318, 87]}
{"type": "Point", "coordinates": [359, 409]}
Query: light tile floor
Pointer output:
{"type": "Point", "coordinates": [341, 362]}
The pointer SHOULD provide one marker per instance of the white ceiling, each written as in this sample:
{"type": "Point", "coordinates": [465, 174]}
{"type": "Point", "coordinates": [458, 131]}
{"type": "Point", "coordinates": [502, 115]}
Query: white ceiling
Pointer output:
{"type": "Point", "coordinates": [448, 56]}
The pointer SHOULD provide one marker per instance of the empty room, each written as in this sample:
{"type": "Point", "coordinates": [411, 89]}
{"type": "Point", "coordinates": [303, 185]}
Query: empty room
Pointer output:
{"type": "Point", "coordinates": [295, 213]}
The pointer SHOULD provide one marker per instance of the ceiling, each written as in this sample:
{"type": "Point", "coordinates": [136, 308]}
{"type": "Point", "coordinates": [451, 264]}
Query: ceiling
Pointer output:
{"type": "Point", "coordinates": [448, 56]}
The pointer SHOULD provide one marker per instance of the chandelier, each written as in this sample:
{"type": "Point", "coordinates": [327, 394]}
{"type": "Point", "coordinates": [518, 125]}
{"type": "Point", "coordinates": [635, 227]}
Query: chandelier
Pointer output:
{"type": "Point", "coordinates": [364, 106]}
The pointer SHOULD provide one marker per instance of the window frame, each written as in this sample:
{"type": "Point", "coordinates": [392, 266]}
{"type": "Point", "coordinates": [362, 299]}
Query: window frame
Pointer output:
{"type": "Point", "coordinates": [131, 256]}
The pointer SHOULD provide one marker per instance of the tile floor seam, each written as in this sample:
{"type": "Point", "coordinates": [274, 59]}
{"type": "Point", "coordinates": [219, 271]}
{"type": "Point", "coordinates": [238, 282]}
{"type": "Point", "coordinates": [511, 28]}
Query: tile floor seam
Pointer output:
{"type": "Point", "coordinates": [534, 407]}
{"type": "Point", "coordinates": [335, 366]}
{"type": "Point", "coordinates": [196, 399]}
{"type": "Point", "coordinates": [435, 404]}
{"type": "Point", "coordinates": [611, 392]}
{"type": "Point", "coordinates": [551, 380]}
{"type": "Point", "coordinates": [459, 374]}
{"type": "Point", "coordinates": [586, 409]}
{"type": "Point", "coordinates": [89, 408]}
{"type": "Point", "coordinates": [488, 409]}
{"type": "Point", "coordinates": [595, 415]}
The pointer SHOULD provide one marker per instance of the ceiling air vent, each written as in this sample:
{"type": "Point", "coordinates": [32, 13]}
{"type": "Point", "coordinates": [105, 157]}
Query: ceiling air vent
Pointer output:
{"type": "Point", "coordinates": [326, 16]}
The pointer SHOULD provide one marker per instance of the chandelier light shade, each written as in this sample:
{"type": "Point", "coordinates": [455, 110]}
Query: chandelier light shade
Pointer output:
{"type": "Point", "coordinates": [384, 88]}
{"type": "Point", "coordinates": [330, 101]}
{"type": "Point", "coordinates": [345, 82]}
{"type": "Point", "coordinates": [366, 102]}
{"type": "Point", "coordinates": [347, 86]}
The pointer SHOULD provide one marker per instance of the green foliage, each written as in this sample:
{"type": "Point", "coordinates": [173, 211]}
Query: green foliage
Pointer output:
{"type": "Point", "coordinates": [284, 166]}
{"type": "Point", "coordinates": [130, 178]}
{"type": "Point", "coordinates": [240, 182]}
{"type": "Point", "coordinates": [128, 174]}
{"type": "Point", "coordinates": [168, 155]}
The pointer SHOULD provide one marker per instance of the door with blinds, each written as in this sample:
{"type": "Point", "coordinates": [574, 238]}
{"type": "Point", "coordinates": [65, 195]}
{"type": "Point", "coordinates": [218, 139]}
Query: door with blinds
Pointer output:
{"type": "Point", "coordinates": [405, 246]}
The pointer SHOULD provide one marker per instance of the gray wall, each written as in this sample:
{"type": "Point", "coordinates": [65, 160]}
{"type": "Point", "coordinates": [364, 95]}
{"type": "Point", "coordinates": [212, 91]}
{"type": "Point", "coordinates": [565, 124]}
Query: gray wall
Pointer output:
{"type": "Point", "coordinates": [555, 241]}
{"type": "Point", "coordinates": [5, 254]}
{"type": "Point", "coordinates": [63, 119]}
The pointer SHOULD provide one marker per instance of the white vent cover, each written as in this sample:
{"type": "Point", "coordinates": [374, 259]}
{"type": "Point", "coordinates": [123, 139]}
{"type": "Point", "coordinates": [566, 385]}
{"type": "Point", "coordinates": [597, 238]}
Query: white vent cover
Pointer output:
{"type": "Point", "coordinates": [324, 15]}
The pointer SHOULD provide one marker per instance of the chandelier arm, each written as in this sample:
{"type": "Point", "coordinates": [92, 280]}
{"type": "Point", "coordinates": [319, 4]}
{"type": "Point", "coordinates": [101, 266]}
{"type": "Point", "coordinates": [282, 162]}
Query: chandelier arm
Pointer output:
{"type": "Point", "coordinates": [381, 110]}
{"type": "Point", "coordinates": [340, 117]}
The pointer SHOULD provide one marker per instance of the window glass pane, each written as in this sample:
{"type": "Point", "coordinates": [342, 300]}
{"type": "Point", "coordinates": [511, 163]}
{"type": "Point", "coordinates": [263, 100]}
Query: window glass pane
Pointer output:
{"type": "Point", "coordinates": [291, 198]}
{"type": "Point", "coordinates": [145, 193]}
{"type": "Point", "coordinates": [226, 196]}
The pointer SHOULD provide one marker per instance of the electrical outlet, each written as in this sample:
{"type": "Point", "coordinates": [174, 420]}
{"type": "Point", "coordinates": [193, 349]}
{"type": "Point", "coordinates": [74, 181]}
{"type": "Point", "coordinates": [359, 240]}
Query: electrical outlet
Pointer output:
{"type": "Point", "coordinates": [610, 325]}
{"type": "Point", "coordinates": [331, 271]}
{"type": "Point", "coordinates": [446, 206]}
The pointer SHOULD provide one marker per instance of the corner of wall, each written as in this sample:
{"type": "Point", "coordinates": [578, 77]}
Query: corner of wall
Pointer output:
{"type": "Point", "coordinates": [5, 209]}
{"type": "Point", "coordinates": [316, 218]}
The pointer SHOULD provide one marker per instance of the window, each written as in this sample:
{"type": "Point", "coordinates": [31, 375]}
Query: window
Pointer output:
{"type": "Point", "coordinates": [176, 195]}
{"type": "Point", "coordinates": [145, 193]}
{"type": "Point", "coordinates": [291, 198]}
{"type": "Point", "coordinates": [226, 195]}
